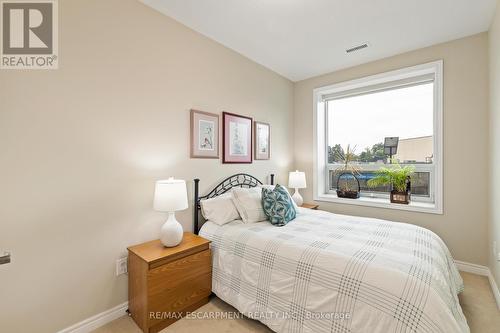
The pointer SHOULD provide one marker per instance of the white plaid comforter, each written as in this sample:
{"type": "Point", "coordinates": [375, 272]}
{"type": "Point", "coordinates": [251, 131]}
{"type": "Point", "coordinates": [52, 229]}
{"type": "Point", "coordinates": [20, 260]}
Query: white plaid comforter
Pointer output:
{"type": "Point", "coordinates": [333, 273]}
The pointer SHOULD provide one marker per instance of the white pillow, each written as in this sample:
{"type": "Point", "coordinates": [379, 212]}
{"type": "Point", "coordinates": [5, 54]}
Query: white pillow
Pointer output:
{"type": "Point", "coordinates": [248, 201]}
{"type": "Point", "coordinates": [271, 187]}
{"type": "Point", "coordinates": [220, 210]}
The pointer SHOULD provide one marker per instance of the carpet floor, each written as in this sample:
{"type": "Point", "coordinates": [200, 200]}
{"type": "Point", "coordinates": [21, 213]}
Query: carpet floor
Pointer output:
{"type": "Point", "coordinates": [477, 303]}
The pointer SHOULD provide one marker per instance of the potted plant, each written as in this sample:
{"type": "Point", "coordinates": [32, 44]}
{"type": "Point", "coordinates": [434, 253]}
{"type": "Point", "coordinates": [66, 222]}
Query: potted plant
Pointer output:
{"type": "Point", "coordinates": [347, 169]}
{"type": "Point", "coordinates": [398, 178]}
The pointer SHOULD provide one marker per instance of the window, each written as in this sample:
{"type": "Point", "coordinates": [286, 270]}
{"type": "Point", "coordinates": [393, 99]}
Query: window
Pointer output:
{"type": "Point", "coordinates": [358, 115]}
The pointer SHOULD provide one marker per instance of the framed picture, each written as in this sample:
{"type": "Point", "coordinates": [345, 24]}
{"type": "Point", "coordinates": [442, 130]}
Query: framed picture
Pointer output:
{"type": "Point", "coordinates": [262, 141]}
{"type": "Point", "coordinates": [204, 134]}
{"type": "Point", "coordinates": [237, 138]}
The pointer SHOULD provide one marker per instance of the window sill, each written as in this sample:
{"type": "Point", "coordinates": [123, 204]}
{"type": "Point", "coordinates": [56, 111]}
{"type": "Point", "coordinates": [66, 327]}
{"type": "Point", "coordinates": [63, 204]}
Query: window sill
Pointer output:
{"type": "Point", "coordinates": [414, 206]}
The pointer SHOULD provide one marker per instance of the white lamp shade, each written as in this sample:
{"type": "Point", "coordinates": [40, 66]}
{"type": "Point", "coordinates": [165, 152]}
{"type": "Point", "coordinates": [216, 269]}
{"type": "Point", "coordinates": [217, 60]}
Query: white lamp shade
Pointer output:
{"type": "Point", "coordinates": [297, 179]}
{"type": "Point", "coordinates": [170, 195]}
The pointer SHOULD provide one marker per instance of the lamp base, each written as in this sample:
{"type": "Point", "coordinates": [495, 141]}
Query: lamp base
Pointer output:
{"type": "Point", "coordinates": [171, 232]}
{"type": "Point", "coordinates": [297, 198]}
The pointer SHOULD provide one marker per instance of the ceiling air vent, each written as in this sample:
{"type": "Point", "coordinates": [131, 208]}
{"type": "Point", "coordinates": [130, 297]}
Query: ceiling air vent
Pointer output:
{"type": "Point", "coordinates": [357, 48]}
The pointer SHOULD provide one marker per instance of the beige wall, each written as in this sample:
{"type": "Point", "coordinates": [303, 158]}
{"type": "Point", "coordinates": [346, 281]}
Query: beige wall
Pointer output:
{"type": "Point", "coordinates": [82, 146]}
{"type": "Point", "coordinates": [464, 224]}
{"type": "Point", "coordinates": [494, 231]}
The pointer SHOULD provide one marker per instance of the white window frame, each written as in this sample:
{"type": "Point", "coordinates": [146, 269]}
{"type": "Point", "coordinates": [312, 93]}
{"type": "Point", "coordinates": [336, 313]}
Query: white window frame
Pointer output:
{"type": "Point", "coordinates": [321, 191]}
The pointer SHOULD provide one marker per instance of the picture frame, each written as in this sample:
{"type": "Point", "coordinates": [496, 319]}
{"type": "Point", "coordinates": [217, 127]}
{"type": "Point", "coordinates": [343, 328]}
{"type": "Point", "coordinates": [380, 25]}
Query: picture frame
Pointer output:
{"type": "Point", "coordinates": [237, 138]}
{"type": "Point", "coordinates": [204, 131]}
{"type": "Point", "coordinates": [262, 137]}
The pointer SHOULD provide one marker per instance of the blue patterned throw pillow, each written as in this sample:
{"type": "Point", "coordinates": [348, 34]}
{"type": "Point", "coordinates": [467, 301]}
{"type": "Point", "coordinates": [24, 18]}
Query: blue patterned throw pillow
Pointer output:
{"type": "Point", "coordinates": [278, 205]}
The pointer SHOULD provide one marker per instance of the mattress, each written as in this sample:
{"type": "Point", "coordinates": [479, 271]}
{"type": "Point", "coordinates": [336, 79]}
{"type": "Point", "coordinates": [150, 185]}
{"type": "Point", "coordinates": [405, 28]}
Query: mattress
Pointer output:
{"type": "Point", "coordinates": [326, 272]}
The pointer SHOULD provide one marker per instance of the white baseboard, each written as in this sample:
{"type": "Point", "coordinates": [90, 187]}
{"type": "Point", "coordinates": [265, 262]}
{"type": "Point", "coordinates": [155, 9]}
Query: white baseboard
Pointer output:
{"type": "Point", "coordinates": [494, 288]}
{"type": "Point", "coordinates": [480, 270]}
{"type": "Point", "coordinates": [472, 268]}
{"type": "Point", "coordinates": [98, 320]}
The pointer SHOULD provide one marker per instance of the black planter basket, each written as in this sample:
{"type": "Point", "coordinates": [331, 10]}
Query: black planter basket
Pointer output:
{"type": "Point", "coordinates": [348, 194]}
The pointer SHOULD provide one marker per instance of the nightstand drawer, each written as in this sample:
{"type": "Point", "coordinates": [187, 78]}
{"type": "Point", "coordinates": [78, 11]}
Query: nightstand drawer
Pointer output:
{"type": "Point", "coordinates": [165, 282]}
{"type": "Point", "coordinates": [178, 284]}
{"type": "Point", "coordinates": [173, 273]}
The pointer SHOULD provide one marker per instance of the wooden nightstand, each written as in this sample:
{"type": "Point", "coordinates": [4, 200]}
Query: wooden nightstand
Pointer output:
{"type": "Point", "coordinates": [166, 281]}
{"type": "Point", "coordinates": [310, 206]}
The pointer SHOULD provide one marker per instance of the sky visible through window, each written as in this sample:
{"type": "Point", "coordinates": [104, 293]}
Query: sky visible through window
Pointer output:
{"type": "Point", "coordinates": [365, 120]}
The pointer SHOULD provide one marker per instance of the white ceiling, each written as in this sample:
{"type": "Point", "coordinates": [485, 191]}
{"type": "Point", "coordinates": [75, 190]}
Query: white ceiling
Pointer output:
{"type": "Point", "coordinates": [304, 38]}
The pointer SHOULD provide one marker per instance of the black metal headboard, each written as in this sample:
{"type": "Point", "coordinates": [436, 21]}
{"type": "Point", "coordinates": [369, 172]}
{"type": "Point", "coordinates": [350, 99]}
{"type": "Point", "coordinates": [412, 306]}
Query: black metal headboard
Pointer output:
{"type": "Point", "coordinates": [237, 180]}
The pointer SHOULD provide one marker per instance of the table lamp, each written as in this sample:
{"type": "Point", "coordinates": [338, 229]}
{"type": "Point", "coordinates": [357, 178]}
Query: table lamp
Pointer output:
{"type": "Point", "coordinates": [296, 180]}
{"type": "Point", "coordinates": [170, 196]}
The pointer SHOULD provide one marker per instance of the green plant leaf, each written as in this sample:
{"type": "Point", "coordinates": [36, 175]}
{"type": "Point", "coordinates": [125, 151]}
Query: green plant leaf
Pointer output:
{"type": "Point", "coordinates": [395, 176]}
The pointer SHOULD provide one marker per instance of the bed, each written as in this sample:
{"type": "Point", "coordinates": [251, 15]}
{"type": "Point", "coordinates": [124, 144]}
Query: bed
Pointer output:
{"type": "Point", "coordinates": [326, 272]}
